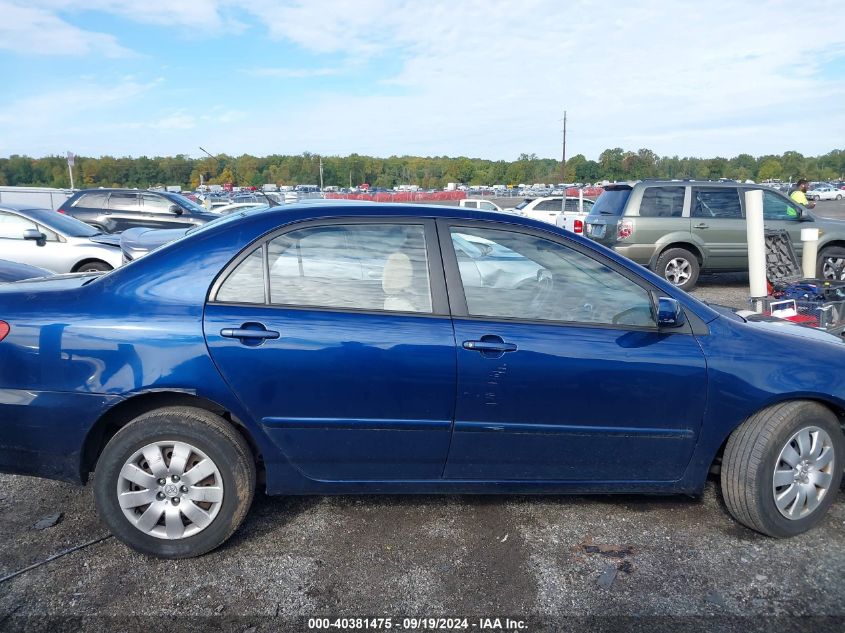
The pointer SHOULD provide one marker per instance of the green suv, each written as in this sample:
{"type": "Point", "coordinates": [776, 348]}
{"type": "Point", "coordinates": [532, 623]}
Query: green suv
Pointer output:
{"type": "Point", "coordinates": [680, 228]}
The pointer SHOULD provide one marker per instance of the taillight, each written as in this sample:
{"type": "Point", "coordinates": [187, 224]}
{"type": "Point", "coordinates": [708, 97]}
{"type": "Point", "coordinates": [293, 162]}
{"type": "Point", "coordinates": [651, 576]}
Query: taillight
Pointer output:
{"type": "Point", "coordinates": [4, 329]}
{"type": "Point", "coordinates": [62, 211]}
{"type": "Point", "coordinates": [578, 227]}
{"type": "Point", "coordinates": [624, 229]}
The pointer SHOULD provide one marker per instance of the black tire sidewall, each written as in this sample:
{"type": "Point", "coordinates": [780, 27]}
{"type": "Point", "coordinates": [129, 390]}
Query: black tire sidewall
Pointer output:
{"type": "Point", "coordinates": [830, 251]}
{"type": "Point", "coordinates": [208, 440]}
{"type": "Point", "coordinates": [679, 253]}
{"type": "Point", "coordinates": [95, 267]}
{"type": "Point", "coordinates": [777, 524]}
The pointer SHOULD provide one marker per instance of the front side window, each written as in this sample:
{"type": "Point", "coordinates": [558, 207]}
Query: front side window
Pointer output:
{"type": "Point", "coordinates": [519, 276]}
{"type": "Point", "coordinates": [13, 226]}
{"type": "Point", "coordinates": [777, 207]}
{"type": "Point", "coordinates": [155, 204]}
{"type": "Point", "coordinates": [716, 204]}
{"type": "Point", "coordinates": [356, 266]}
{"type": "Point", "coordinates": [662, 202]}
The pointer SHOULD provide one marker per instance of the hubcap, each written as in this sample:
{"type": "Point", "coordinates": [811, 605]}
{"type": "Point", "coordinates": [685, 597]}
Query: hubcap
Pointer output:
{"type": "Point", "coordinates": [803, 473]}
{"type": "Point", "coordinates": [170, 490]}
{"type": "Point", "coordinates": [678, 271]}
{"type": "Point", "coordinates": [834, 268]}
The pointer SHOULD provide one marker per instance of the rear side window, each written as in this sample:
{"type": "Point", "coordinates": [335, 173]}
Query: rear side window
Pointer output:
{"type": "Point", "coordinates": [363, 267]}
{"type": "Point", "coordinates": [716, 203]}
{"type": "Point", "coordinates": [662, 202]}
{"type": "Point", "coordinates": [91, 200]}
{"type": "Point", "coordinates": [611, 201]}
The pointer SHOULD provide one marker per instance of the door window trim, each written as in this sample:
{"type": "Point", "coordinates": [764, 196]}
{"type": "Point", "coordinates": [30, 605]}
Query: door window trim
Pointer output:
{"type": "Point", "coordinates": [457, 297]}
{"type": "Point", "coordinates": [436, 278]}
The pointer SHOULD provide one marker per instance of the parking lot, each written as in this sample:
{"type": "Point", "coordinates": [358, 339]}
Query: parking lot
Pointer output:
{"type": "Point", "coordinates": [554, 561]}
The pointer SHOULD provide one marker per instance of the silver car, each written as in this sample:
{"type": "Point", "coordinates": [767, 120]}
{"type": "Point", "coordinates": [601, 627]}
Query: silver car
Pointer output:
{"type": "Point", "coordinates": [45, 238]}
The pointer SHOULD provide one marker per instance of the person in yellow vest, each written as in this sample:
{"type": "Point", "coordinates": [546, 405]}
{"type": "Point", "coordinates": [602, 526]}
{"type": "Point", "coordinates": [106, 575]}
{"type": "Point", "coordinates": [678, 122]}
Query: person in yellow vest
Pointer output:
{"type": "Point", "coordinates": [799, 194]}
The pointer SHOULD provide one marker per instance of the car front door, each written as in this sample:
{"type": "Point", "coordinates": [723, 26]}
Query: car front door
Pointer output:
{"type": "Point", "coordinates": [124, 211]}
{"type": "Point", "coordinates": [337, 339]}
{"type": "Point", "coordinates": [562, 373]}
{"type": "Point", "coordinates": [158, 214]}
{"type": "Point", "coordinates": [779, 212]}
{"type": "Point", "coordinates": [48, 254]}
{"type": "Point", "coordinates": [719, 224]}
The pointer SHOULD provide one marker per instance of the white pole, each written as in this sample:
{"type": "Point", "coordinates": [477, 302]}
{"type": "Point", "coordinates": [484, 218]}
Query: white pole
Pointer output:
{"type": "Point", "coordinates": [810, 237]}
{"type": "Point", "coordinates": [756, 247]}
{"type": "Point", "coordinates": [580, 199]}
{"type": "Point", "coordinates": [70, 171]}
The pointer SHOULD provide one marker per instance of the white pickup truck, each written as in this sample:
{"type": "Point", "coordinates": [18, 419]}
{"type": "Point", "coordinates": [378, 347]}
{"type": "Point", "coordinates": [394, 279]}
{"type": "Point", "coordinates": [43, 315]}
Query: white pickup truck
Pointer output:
{"type": "Point", "coordinates": [566, 212]}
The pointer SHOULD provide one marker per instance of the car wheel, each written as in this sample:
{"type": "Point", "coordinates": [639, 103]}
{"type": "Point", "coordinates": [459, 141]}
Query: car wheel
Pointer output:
{"type": "Point", "coordinates": [91, 267]}
{"type": "Point", "coordinates": [175, 482]}
{"type": "Point", "coordinates": [839, 196]}
{"type": "Point", "coordinates": [679, 267]}
{"type": "Point", "coordinates": [782, 468]}
{"type": "Point", "coordinates": [831, 264]}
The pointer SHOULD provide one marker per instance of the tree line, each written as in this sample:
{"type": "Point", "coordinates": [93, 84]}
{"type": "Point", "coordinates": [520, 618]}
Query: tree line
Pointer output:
{"type": "Point", "coordinates": [427, 172]}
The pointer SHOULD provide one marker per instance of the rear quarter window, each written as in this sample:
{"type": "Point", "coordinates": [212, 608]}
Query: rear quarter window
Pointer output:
{"type": "Point", "coordinates": [662, 202]}
{"type": "Point", "coordinates": [91, 200]}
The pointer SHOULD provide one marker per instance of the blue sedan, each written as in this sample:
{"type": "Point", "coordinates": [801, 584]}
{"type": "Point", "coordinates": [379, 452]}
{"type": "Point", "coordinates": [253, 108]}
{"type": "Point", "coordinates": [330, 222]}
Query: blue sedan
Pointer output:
{"type": "Point", "coordinates": [344, 349]}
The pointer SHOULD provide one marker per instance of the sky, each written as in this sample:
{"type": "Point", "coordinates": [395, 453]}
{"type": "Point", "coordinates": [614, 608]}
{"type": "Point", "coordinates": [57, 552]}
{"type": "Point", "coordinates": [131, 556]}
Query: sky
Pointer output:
{"type": "Point", "coordinates": [479, 78]}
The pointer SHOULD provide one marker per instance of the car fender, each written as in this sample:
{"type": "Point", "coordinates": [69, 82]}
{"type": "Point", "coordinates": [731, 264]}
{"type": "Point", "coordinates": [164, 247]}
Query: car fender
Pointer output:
{"type": "Point", "coordinates": [679, 239]}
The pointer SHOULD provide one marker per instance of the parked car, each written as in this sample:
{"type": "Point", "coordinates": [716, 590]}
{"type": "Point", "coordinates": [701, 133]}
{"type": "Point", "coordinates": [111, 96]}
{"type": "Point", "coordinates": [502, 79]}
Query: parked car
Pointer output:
{"type": "Point", "coordinates": [680, 228]}
{"type": "Point", "coordinates": [548, 208]}
{"type": "Point", "coordinates": [825, 192]}
{"type": "Point", "coordinates": [44, 238]}
{"type": "Point", "coordinates": [114, 210]}
{"type": "Point", "coordinates": [574, 216]}
{"type": "Point", "coordinates": [344, 349]}
{"type": "Point", "coordinates": [14, 271]}
{"type": "Point", "coordinates": [484, 205]}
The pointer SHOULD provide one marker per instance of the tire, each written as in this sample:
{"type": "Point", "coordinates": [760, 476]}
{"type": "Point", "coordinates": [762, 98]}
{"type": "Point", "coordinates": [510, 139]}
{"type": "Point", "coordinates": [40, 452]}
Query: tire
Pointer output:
{"type": "Point", "coordinates": [679, 267]}
{"type": "Point", "coordinates": [95, 266]}
{"type": "Point", "coordinates": [760, 447]}
{"type": "Point", "coordinates": [831, 261]}
{"type": "Point", "coordinates": [222, 497]}
{"type": "Point", "coordinates": [839, 196]}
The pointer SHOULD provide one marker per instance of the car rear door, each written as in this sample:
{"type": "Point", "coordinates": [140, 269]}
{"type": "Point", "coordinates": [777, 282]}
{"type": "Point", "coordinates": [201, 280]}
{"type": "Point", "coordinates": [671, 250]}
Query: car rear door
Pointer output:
{"type": "Point", "coordinates": [718, 223]}
{"type": "Point", "coordinates": [337, 339]}
{"type": "Point", "coordinates": [562, 373]}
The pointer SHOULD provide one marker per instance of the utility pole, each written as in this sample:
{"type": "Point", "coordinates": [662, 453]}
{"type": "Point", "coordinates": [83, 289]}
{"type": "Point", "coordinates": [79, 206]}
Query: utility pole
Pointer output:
{"type": "Point", "coordinates": [563, 159]}
{"type": "Point", "coordinates": [321, 173]}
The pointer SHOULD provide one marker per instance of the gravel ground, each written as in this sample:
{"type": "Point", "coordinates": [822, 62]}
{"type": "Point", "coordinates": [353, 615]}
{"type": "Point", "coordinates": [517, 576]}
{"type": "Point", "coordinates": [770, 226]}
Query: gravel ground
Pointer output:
{"type": "Point", "coordinates": [554, 562]}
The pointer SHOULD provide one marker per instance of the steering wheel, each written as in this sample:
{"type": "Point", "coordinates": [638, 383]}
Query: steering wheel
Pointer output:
{"type": "Point", "coordinates": [542, 289]}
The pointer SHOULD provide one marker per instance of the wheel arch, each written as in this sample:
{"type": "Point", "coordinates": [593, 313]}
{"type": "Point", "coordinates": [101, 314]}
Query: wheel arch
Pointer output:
{"type": "Point", "coordinates": [687, 246]}
{"type": "Point", "coordinates": [127, 410]}
{"type": "Point", "coordinates": [89, 260]}
{"type": "Point", "coordinates": [836, 408]}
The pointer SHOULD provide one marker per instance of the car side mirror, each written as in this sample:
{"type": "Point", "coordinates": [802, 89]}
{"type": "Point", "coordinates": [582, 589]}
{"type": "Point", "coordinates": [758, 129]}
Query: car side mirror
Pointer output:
{"type": "Point", "coordinates": [670, 314]}
{"type": "Point", "coordinates": [175, 208]}
{"type": "Point", "coordinates": [803, 216]}
{"type": "Point", "coordinates": [36, 236]}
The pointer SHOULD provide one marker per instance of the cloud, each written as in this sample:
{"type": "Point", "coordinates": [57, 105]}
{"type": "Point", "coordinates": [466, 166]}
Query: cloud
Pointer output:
{"type": "Point", "coordinates": [28, 30]}
{"type": "Point", "coordinates": [492, 78]}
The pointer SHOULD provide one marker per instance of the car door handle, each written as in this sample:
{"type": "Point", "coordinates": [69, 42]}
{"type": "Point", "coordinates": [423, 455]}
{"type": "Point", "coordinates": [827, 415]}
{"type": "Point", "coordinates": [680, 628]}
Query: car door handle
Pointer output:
{"type": "Point", "coordinates": [701, 225]}
{"type": "Point", "coordinates": [489, 346]}
{"type": "Point", "coordinates": [242, 333]}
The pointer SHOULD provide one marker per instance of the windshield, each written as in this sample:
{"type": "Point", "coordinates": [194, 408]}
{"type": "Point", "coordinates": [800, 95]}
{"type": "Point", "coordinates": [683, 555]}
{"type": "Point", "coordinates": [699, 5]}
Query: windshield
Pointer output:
{"type": "Point", "coordinates": [60, 223]}
{"type": "Point", "coordinates": [186, 203]}
{"type": "Point", "coordinates": [611, 202]}
{"type": "Point", "coordinates": [523, 204]}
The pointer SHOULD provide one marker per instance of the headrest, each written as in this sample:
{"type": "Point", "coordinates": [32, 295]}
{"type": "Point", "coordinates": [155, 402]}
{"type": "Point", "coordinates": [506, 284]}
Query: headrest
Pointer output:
{"type": "Point", "coordinates": [397, 273]}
